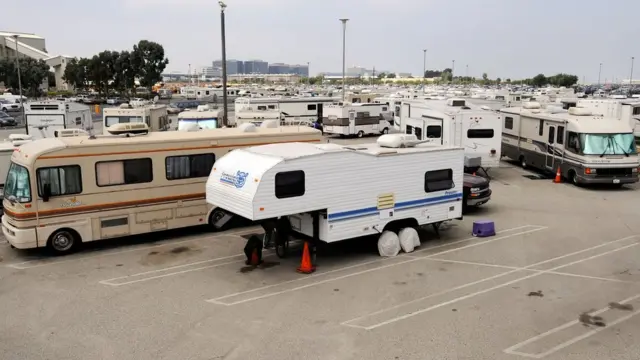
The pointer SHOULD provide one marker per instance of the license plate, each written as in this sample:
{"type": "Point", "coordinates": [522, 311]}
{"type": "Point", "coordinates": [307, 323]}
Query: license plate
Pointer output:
{"type": "Point", "coordinates": [616, 181]}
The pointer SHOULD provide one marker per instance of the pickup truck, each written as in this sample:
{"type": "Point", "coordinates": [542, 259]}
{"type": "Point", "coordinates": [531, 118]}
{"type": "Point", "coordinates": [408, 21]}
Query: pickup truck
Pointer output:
{"type": "Point", "coordinates": [475, 191]}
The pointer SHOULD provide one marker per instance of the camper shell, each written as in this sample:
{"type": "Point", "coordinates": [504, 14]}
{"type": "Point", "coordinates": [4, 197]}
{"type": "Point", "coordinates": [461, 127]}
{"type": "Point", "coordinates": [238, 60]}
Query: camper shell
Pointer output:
{"type": "Point", "coordinates": [388, 184]}
{"type": "Point", "coordinates": [587, 148]}
{"type": "Point", "coordinates": [45, 118]}
{"type": "Point", "coordinates": [348, 119]}
{"type": "Point", "coordinates": [456, 122]}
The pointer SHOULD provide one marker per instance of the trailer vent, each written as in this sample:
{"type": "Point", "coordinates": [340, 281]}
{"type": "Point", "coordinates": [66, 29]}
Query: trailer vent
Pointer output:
{"type": "Point", "coordinates": [43, 107]}
{"type": "Point", "coordinates": [386, 201]}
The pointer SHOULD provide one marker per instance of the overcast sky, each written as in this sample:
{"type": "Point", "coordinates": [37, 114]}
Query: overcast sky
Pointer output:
{"type": "Point", "coordinates": [505, 38]}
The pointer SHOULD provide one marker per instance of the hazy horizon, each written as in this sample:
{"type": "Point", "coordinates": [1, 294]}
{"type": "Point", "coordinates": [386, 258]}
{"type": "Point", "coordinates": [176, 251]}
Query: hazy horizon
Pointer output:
{"type": "Point", "coordinates": [507, 39]}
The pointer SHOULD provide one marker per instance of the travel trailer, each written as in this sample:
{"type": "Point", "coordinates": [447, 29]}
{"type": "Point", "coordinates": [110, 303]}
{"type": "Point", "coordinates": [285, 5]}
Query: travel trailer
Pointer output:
{"type": "Point", "coordinates": [257, 117]}
{"type": "Point", "coordinates": [356, 119]}
{"type": "Point", "coordinates": [203, 117]}
{"type": "Point", "coordinates": [294, 110]}
{"type": "Point", "coordinates": [264, 183]}
{"type": "Point", "coordinates": [155, 116]}
{"type": "Point", "coordinates": [587, 149]}
{"type": "Point", "coordinates": [456, 122]}
{"type": "Point", "coordinates": [45, 118]}
{"type": "Point", "coordinates": [119, 185]}
{"type": "Point", "coordinates": [208, 94]}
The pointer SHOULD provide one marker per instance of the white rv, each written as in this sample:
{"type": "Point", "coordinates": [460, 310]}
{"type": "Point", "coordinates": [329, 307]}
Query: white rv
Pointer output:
{"type": "Point", "coordinates": [155, 116]}
{"type": "Point", "coordinates": [456, 122]}
{"type": "Point", "coordinates": [587, 149]}
{"type": "Point", "coordinates": [624, 110]}
{"type": "Point", "coordinates": [294, 110]}
{"type": "Point", "coordinates": [207, 94]}
{"type": "Point", "coordinates": [391, 184]}
{"type": "Point", "coordinates": [257, 117]}
{"type": "Point", "coordinates": [45, 118]}
{"type": "Point", "coordinates": [356, 119]}
{"type": "Point", "coordinates": [203, 118]}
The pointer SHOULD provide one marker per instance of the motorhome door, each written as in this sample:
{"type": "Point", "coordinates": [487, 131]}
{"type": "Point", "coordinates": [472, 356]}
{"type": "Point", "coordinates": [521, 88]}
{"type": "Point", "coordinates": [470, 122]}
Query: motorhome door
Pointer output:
{"type": "Point", "coordinates": [352, 122]}
{"type": "Point", "coordinates": [550, 130]}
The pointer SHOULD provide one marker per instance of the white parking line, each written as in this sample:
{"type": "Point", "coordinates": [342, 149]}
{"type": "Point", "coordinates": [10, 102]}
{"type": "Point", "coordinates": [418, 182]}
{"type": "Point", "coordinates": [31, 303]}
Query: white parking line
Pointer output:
{"type": "Point", "coordinates": [221, 300]}
{"type": "Point", "coordinates": [44, 262]}
{"type": "Point", "coordinates": [468, 296]}
{"type": "Point", "coordinates": [511, 350]}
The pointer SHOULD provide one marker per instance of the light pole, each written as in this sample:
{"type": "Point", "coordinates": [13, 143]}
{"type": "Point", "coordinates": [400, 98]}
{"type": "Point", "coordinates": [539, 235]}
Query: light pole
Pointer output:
{"type": "Point", "coordinates": [308, 75]}
{"type": "Point", "coordinates": [599, 73]}
{"type": "Point", "coordinates": [424, 69]}
{"type": "Point", "coordinates": [15, 38]}
{"type": "Point", "coordinates": [453, 67]}
{"type": "Point", "coordinates": [631, 76]}
{"type": "Point", "coordinates": [344, 53]}
{"type": "Point", "coordinates": [225, 109]}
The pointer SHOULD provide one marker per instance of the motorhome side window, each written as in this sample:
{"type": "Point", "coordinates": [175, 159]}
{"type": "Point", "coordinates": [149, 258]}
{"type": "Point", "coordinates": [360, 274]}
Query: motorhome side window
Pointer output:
{"type": "Point", "coordinates": [636, 111]}
{"type": "Point", "coordinates": [434, 131]}
{"type": "Point", "coordinates": [189, 166]}
{"type": "Point", "coordinates": [62, 180]}
{"type": "Point", "coordinates": [508, 122]}
{"type": "Point", "coordinates": [438, 180]}
{"type": "Point", "coordinates": [541, 127]}
{"type": "Point", "coordinates": [311, 107]}
{"type": "Point", "coordinates": [290, 184]}
{"type": "Point", "coordinates": [418, 132]}
{"type": "Point", "coordinates": [480, 133]}
{"type": "Point", "coordinates": [271, 107]}
{"type": "Point", "coordinates": [573, 144]}
{"type": "Point", "coordinates": [124, 172]}
{"type": "Point", "coordinates": [560, 137]}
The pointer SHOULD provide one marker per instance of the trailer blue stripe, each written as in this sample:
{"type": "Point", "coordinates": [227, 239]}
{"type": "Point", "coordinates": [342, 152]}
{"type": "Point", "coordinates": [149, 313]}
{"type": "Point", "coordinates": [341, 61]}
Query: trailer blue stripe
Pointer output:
{"type": "Point", "coordinates": [350, 214]}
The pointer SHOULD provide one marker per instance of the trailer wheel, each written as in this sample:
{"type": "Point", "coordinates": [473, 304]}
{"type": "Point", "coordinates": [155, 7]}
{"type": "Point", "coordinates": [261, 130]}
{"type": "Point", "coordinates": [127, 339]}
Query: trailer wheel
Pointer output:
{"type": "Point", "coordinates": [385, 131]}
{"type": "Point", "coordinates": [523, 162]}
{"type": "Point", "coordinates": [360, 133]}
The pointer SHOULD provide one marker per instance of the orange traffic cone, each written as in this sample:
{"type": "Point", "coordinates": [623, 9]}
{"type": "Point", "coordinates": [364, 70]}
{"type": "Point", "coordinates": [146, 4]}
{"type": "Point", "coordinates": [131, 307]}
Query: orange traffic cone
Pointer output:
{"type": "Point", "coordinates": [558, 178]}
{"type": "Point", "coordinates": [255, 260]}
{"type": "Point", "coordinates": [306, 267]}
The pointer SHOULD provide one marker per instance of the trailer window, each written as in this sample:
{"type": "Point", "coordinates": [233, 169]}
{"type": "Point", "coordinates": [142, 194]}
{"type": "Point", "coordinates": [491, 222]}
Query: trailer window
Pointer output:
{"type": "Point", "coordinates": [438, 180]}
{"type": "Point", "coordinates": [636, 110]}
{"type": "Point", "coordinates": [541, 128]}
{"type": "Point", "coordinates": [409, 129]}
{"type": "Point", "coordinates": [560, 137]}
{"type": "Point", "coordinates": [290, 184]}
{"type": "Point", "coordinates": [272, 107]}
{"type": "Point", "coordinates": [418, 132]}
{"type": "Point", "coordinates": [508, 122]}
{"type": "Point", "coordinates": [480, 133]}
{"type": "Point", "coordinates": [434, 131]}
{"type": "Point", "coordinates": [261, 107]}
{"type": "Point", "coordinates": [311, 107]}
{"type": "Point", "coordinates": [189, 166]}
{"type": "Point", "coordinates": [63, 180]}
{"type": "Point", "coordinates": [124, 172]}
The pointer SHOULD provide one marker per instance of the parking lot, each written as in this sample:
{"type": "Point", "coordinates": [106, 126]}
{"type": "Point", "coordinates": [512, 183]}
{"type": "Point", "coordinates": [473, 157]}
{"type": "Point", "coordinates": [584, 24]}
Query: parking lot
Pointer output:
{"type": "Point", "coordinates": [560, 280]}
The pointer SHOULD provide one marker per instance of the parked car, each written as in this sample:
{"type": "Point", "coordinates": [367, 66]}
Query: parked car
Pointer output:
{"type": "Point", "coordinates": [475, 190]}
{"type": "Point", "coordinates": [181, 106]}
{"type": "Point", "coordinates": [7, 120]}
{"type": "Point", "coordinates": [114, 101]}
{"type": "Point", "coordinates": [8, 105]}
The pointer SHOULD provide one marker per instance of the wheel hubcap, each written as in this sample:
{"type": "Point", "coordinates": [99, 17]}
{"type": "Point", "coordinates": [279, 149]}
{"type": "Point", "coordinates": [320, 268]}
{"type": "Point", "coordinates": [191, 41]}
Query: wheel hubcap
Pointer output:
{"type": "Point", "coordinates": [62, 242]}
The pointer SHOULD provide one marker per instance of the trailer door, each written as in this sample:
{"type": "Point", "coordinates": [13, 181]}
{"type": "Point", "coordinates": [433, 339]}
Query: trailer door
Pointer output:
{"type": "Point", "coordinates": [352, 122]}
{"type": "Point", "coordinates": [551, 139]}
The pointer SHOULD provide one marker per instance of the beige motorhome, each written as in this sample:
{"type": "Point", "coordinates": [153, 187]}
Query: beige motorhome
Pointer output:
{"type": "Point", "coordinates": [63, 191]}
{"type": "Point", "coordinates": [155, 116]}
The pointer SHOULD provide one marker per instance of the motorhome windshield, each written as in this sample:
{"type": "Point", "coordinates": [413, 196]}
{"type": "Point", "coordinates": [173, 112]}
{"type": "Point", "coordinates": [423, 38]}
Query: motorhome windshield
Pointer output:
{"type": "Point", "coordinates": [202, 123]}
{"type": "Point", "coordinates": [17, 184]}
{"type": "Point", "coordinates": [112, 120]}
{"type": "Point", "coordinates": [608, 144]}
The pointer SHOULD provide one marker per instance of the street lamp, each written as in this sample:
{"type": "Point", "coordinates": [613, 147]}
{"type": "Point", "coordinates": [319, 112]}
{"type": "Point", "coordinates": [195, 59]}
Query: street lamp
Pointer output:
{"type": "Point", "coordinates": [599, 73]}
{"type": "Point", "coordinates": [15, 38]}
{"type": "Point", "coordinates": [344, 52]}
{"type": "Point", "coordinates": [453, 67]}
{"type": "Point", "coordinates": [225, 109]}
{"type": "Point", "coordinates": [308, 75]}
{"type": "Point", "coordinates": [631, 76]}
{"type": "Point", "coordinates": [424, 69]}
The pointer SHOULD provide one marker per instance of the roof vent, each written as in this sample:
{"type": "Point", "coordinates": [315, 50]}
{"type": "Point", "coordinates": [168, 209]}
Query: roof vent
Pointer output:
{"type": "Point", "coordinates": [456, 102]}
{"type": "Point", "coordinates": [397, 140]}
{"type": "Point", "coordinates": [577, 111]}
{"type": "Point", "coordinates": [13, 137]}
{"type": "Point", "coordinates": [125, 106]}
{"type": "Point", "coordinates": [269, 124]}
{"type": "Point", "coordinates": [128, 128]}
{"type": "Point", "coordinates": [70, 132]}
{"type": "Point", "coordinates": [203, 108]}
{"type": "Point", "coordinates": [531, 105]}
{"type": "Point", "coordinates": [247, 127]}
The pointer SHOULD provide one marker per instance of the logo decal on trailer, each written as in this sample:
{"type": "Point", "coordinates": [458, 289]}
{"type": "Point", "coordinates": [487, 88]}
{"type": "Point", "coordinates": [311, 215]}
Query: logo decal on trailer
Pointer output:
{"type": "Point", "coordinates": [238, 179]}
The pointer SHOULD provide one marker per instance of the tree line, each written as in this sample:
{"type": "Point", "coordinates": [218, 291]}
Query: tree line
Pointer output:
{"type": "Point", "coordinates": [117, 71]}
{"type": "Point", "coordinates": [33, 74]}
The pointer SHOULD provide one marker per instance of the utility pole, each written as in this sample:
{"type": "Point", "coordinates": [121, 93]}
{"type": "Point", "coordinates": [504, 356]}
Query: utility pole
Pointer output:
{"type": "Point", "coordinates": [344, 53]}
{"type": "Point", "coordinates": [453, 67]}
{"type": "Point", "coordinates": [225, 118]}
{"type": "Point", "coordinates": [424, 69]}
{"type": "Point", "coordinates": [308, 74]}
{"type": "Point", "coordinates": [599, 74]}
{"type": "Point", "coordinates": [15, 37]}
{"type": "Point", "coordinates": [631, 76]}
{"type": "Point", "coordinates": [373, 75]}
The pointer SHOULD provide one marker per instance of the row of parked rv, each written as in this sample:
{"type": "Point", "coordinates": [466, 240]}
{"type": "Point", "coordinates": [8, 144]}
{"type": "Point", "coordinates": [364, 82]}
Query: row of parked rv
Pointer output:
{"type": "Point", "coordinates": [64, 190]}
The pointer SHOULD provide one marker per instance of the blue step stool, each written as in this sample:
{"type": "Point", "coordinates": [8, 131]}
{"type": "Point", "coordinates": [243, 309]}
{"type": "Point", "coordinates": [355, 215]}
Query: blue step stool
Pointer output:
{"type": "Point", "coordinates": [483, 228]}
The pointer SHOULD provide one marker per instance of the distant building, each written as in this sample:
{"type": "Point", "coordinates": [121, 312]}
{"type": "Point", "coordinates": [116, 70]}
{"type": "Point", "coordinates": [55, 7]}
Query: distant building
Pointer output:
{"type": "Point", "coordinates": [288, 78]}
{"type": "Point", "coordinates": [256, 67]}
{"type": "Point", "coordinates": [59, 64]}
{"type": "Point", "coordinates": [233, 66]}
{"type": "Point", "coordinates": [210, 72]}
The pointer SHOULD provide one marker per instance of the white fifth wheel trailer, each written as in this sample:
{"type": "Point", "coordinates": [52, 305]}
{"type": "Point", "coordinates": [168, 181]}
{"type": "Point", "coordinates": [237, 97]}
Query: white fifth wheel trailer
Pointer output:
{"type": "Point", "coordinates": [294, 110]}
{"type": "Point", "coordinates": [45, 118]}
{"type": "Point", "coordinates": [587, 149]}
{"type": "Point", "coordinates": [356, 119]}
{"type": "Point", "coordinates": [456, 122]}
{"type": "Point", "coordinates": [391, 184]}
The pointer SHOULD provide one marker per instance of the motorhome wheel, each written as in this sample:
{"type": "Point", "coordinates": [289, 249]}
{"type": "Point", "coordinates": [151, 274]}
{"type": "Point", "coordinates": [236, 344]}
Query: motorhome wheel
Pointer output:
{"type": "Point", "coordinates": [62, 241]}
{"type": "Point", "coordinates": [523, 162]}
{"type": "Point", "coordinates": [360, 133]}
{"type": "Point", "coordinates": [385, 130]}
